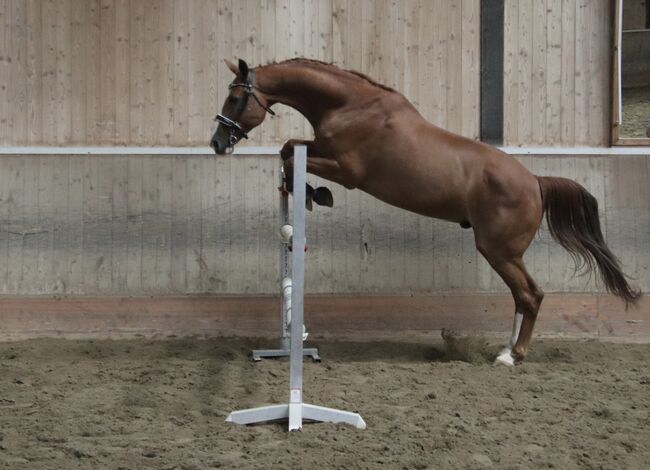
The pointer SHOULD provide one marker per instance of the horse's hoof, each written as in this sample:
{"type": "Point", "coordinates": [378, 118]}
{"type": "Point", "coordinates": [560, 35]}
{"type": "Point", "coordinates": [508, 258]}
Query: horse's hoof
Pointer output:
{"type": "Point", "coordinates": [505, 358]}
{"type": "Point", "coordinates": [323, 197]}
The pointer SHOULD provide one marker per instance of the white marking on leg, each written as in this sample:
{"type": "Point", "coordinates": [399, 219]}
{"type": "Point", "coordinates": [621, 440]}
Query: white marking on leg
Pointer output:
{"type": "Point", "coordinates": [516, 326]}
{"type": "Point", "coordinates": [505, 357]}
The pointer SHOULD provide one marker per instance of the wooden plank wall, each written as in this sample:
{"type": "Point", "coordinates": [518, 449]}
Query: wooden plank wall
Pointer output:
{"type": "Point", "coordinates": [557, 67]}
{"type": "Point", "coordinates": [150, 72]}
{"type": "Point", "coordinates": [144, 225]}
{"type": "Point", "coordinates": [106, 72]}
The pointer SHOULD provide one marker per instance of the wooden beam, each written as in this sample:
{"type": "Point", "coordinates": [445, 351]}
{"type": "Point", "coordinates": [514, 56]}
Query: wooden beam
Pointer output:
{"type": "Point", "coordinates": [367, 316]}
{"type": "Point", "coordinates": [632, 142]}
{"type": "Point", "coordinates": [492, 14]}
{"type": "Point", "coordinates": [616, 76]}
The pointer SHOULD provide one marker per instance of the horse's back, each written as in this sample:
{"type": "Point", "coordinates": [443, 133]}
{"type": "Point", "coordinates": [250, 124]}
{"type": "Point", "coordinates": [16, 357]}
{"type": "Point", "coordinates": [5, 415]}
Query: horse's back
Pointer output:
{"type": "Point", "coordinates": [412, 164]}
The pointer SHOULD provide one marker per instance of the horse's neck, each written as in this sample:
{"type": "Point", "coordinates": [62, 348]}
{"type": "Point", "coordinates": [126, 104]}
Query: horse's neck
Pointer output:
{"type": "Point", "coordinates": [313, 93]}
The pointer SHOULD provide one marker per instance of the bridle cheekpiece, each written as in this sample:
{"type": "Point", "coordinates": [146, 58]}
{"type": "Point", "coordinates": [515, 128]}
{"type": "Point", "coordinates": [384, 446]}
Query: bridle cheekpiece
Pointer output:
{"type": "Point", "coordinates": [235, 130]}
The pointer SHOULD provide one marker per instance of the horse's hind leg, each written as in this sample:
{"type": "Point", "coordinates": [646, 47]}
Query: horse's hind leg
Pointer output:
{"type": "Point", "coordinates": [528, 298]}
{"type": "Point", "coordinates": [506, 211]}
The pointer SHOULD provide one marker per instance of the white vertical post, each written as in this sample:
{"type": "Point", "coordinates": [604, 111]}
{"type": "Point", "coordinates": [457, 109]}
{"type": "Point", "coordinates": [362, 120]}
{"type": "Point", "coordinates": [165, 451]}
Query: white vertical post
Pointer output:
{"type": "Point", "coordinates": [284, 263]}
{"type": "Point", "coordinates": [285, 274]}
{"type": "Point", "coordinates": [619, 59]}
{"type": "Point", "coordinates": [298, 286]}
{"type": "Point", "coordinates": [297, 410]}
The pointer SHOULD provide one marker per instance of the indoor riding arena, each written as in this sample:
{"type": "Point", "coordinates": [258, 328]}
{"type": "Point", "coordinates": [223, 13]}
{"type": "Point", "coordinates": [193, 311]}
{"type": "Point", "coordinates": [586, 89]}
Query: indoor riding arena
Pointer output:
{"type": "Point", "coordinates": [150, 253]}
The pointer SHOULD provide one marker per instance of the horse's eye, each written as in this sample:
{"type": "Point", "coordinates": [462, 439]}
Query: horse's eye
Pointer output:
{"type": "Point", "coordinates": [232, 99]}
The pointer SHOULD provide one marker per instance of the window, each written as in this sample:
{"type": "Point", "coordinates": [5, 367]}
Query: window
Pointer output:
{"type": "Point", "coordinates": [631, 110]}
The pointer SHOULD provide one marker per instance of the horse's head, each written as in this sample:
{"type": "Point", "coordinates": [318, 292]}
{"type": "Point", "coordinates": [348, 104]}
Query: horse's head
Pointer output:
{"type": "Point", "coordinates": [240, 113]}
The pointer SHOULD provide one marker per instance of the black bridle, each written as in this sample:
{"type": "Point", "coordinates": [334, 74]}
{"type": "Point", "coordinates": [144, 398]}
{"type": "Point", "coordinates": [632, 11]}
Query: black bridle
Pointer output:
{"type": "Point", "coordinates": [235, 131]}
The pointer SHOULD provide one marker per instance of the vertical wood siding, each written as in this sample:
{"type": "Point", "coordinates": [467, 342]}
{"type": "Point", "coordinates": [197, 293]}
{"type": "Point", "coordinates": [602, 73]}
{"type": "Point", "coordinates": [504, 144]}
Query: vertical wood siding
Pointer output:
{"type": "Point", "coordinates": [136, 225]}
{"type": "Point", "coordinates": [557, 71]}
{"type": "Point", "coordinates": [113, 72]}
{"type": "Point", "coordinates": [150, 72]}
{"type": "Point", "coordinates": [93, 72]}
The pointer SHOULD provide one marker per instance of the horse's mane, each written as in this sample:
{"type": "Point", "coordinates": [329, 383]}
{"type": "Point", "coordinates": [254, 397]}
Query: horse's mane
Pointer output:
{"type": "Point", "coordinates": [333, 68]}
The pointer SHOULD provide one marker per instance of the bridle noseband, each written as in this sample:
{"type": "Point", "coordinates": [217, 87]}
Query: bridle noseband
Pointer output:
{"type": "Point", "coordinates": [235, 131]}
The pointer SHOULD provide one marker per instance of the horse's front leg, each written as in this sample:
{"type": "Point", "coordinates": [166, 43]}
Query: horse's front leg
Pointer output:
{"type": "Point", "coordinates": [316, 164]}
{"type": "Point", "coordinates": [286, 152]}
{"type": "Point", "coordinates": [327, 168]}
{"type": "Point", "coordinates": [331, 170]}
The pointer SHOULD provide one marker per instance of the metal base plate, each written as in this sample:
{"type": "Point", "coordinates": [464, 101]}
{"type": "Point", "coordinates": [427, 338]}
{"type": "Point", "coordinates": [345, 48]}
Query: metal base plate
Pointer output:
{"type": "Point", "coordinates": [296, 413]}
{"type": "Point", "coordinates": [259, 354]}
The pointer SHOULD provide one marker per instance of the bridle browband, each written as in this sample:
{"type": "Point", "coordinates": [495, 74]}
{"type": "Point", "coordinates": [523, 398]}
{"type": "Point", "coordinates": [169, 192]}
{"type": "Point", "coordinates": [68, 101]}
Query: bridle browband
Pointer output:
{"type": "Point", "coordinates": [235, 131]}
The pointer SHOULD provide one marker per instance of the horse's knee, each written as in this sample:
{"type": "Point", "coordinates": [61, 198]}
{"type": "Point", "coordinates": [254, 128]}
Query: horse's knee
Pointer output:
{"type": "Point", "coordinates": [286, 152]}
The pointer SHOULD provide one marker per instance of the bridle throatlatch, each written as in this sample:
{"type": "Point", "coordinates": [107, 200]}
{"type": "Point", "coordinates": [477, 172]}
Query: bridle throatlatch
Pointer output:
{"type": "Point", "coordinates": [235, 131]}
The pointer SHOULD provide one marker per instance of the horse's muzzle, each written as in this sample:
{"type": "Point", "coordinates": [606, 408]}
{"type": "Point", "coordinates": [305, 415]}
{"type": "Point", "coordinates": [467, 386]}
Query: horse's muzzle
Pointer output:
{"type": "Point", "coordinates": [221, 147]}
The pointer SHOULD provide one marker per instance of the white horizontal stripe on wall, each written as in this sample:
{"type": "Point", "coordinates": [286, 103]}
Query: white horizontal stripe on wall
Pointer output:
{"type": "Point", "coordinates": [270, 150]}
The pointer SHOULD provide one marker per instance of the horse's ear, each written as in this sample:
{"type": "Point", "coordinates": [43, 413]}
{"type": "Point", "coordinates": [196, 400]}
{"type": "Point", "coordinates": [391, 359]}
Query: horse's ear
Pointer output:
{"type": "Point", "coordinates": [243, 68]}
{"type": "Point", "coordinates": [233, 68]}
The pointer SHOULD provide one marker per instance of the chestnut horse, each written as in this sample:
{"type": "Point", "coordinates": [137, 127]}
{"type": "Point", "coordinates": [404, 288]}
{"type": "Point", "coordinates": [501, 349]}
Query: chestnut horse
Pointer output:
{"type": "Point", "coordinates": [370, 137]}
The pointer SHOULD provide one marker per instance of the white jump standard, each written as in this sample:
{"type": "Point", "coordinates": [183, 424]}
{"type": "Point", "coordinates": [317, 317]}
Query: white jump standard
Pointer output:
{"type": "Point", "coordinates": [286, 234]}
{"type": "Point", "coordinates": [296, 411]}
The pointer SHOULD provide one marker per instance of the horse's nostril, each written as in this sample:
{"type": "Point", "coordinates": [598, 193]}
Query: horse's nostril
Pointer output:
{"type": "Point", "coordinates": [217, 145]}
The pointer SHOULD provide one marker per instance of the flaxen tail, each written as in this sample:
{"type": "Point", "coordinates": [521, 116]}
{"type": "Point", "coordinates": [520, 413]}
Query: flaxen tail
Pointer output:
{"type": "Point", "coordinates": [572, 218]}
